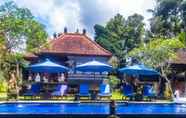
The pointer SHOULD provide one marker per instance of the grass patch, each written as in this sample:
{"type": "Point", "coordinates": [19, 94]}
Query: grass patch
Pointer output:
{"type": "Point", "coordinates": [116, 95]}
{"type": "Point", "coordinates": [3, 96]}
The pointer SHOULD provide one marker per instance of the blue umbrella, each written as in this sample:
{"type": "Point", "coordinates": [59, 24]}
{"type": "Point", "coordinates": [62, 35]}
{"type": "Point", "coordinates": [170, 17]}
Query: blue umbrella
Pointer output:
{"type": "Point", "coordinates": [94, 66]}
{"type": "Point", "coordinates": [47, 66]}
{"type": "Point", "coordinates": [138, 70]}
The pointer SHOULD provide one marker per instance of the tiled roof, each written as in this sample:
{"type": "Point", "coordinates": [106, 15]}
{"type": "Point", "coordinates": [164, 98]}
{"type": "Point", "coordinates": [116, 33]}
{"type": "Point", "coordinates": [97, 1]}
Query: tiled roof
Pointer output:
{"type": "Point", "coordinates": [30, 56]}
{"type": "Point", "coordinates": [75, 44]}
{"type": "Point", "coordinates": [180, 57]}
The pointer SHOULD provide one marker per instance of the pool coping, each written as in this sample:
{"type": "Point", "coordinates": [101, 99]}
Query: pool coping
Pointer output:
{"type": "Point", "coordinates": [70, 102]}
{"type": "Point", "coordinates": [92, 115]}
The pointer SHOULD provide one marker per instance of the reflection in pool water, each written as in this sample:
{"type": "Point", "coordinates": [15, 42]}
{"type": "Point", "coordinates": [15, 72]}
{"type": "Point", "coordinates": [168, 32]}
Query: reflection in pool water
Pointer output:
{"type": "Point", "coordinates": [91, 108]}
{"type": "Point", "coordinates": [151, 109]}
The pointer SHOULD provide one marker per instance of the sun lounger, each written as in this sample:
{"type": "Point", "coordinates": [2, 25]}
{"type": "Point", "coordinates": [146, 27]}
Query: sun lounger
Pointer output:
{"type": "Point", "coordinates": [148, 91]}
{"type": "Point", "coordinates": [60, 91]}
{"type": "Point", "coordinates": [84, 91]}
{"type": "Point", "coordinates": [128, 91]}
{"type": "Point", "coordinates": [104, 91]}
{"type": "Point", "coordinates": [34, 91]}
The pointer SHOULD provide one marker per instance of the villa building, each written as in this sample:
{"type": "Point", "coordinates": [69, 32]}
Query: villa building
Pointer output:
{"type": "Point", "coordinates": [178, 75]}
{"type": "Point", "coordinates": [72, 49]}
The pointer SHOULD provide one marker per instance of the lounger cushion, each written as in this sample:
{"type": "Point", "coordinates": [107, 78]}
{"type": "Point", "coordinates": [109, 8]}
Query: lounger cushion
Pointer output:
{"type": "Point", "coordinates": [128, 90]}
{"type": "Point", "coordinates": [60, 90]}
{"type": "Point", "coordinates": [35, 90]}
{"type": "Point", "coordinates": [104, 90]}
{"type": "Point", "coordinates": [84, 90]}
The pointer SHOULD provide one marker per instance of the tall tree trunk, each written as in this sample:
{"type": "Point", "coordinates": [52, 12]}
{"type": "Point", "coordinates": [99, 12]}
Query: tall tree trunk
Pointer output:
{"type": "Point", "coordinates": [17, 70]}
{"type": "Point", "coordinates": [168, 81]}
{"type": "Point", "coordinates": [17, 78]}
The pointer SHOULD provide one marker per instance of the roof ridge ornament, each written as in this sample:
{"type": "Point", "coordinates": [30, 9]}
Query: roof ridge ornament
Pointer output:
{"type": "Point", "coordinates": [84, 31]}
{"type": "Point", "coordinates": [65, 30]}
{"type": "Point", "coordinates": [77, 31]}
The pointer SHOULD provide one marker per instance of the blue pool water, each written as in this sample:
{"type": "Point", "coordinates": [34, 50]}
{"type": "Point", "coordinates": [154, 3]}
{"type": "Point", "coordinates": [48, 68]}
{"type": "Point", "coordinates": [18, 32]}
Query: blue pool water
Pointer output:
{"type": "Point", "coordinates": [90, 108]}
{"type": "Point", "coordinates": [151, 109]}
{"type": "Point", "coordinates": [46, 108]}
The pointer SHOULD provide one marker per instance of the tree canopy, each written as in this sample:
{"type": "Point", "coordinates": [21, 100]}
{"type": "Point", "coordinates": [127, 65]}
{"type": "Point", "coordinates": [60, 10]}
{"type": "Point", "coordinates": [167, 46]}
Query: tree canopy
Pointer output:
{"type": "Point", "coordinates": [18, 27]}
{"type": "Point", "coordinates": [157, 52]}
{"type": "Point", "coordinates": [19, 31]}
{"type": "Point", "coordinates": [168, 18]}
{"type": "Point", "coordinates": [120, 35]}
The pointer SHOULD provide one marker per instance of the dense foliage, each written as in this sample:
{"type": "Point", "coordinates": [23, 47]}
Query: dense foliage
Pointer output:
{"type": "Point", "coordinates": [19, 32]}
{"type": "Point", "coordinates": [18, 27]}
{"type": "Point", "coordinates": [120, 35]}
{"type": "Point", "coordinates": [167, 25]}
{"type": "Point", "coordinates": [168, 18]}
{"type": "Point", "coordinates": [157, 52]}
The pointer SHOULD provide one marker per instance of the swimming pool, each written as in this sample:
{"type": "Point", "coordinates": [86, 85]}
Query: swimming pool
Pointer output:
{"type": "Point", "coordinates": [86, 110]}
{"type": "Point", "coordinates": [147, 108]}
{"type": "Point", "coordinates": [54, 108]}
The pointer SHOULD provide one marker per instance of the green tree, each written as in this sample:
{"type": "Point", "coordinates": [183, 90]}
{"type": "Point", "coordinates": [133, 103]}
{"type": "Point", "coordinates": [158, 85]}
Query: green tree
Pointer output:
{"type": "Point", "coordinates": [114, 62]}
{"type": "Point", "coordinates": [19, 31]}
{"type": "Point", "coordinates": [158, 53]}
{"type": "Point", "coordinates": [120, 36]}
{"type": "Point", "coordinates": [169, 18]}
{"type": "Point", "coordinates": [135, 30]}
{"type": "Point", "coordinates": [113, 81]}
{"type": "Point", "coordinates": [182, 38]}
{"type": "Point", "coordinates": [18, 26]}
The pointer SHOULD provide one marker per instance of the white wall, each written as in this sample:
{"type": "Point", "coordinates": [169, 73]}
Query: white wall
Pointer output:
{"type": "Point", "coordinates": [84, 59]}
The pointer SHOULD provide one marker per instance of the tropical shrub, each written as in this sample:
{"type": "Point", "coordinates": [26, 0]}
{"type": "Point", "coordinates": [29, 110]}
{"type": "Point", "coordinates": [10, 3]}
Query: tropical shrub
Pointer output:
{"type": "Point", "coordinates": [114, 81]}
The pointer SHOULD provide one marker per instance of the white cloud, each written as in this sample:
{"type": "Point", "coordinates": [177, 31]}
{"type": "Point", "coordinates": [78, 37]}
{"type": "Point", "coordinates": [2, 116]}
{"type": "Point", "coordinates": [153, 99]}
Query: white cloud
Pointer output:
{"type": "Point", "coordinates": [56, 14]}
{"type": "Point", "coordinates": [83, 13]}
{"type": "Point", "coordinates": [65, 16]}
{"type": "Point", "coordinates": [124, 7]}
{"type": "Point", "coordinates": [100, 11]}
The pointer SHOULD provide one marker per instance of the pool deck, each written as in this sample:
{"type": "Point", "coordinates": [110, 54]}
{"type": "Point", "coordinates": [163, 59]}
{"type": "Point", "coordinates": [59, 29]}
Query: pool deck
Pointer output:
{"type": "Point", "coordinates": [66, 102]}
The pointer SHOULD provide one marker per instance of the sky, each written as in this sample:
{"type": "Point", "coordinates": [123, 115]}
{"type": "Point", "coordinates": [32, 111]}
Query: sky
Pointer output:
{"type": "Point", "coordinates": [82, 14]}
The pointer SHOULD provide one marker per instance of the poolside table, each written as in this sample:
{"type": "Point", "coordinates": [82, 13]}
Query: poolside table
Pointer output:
{"type": "Point", "coordinates": [138, 97]}
{"type": "Point", "coordinates": [77, 97]}
{"type": "Point", "coordinates": [93, 93]}
{"type": "Point", "coordinates": [46, 95]}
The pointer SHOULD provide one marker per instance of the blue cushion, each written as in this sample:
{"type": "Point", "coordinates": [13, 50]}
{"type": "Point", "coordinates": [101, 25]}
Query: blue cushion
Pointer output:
{"type": "Point", "coordinates": [60, 90]}
{"type": "Point", "coordinates": [84, 89]}
{"type": "Point", "coordinates": [102, 88]}
{"type": "Point", "coordinates": [148, 90]}
{"type": "Point", "coordinates": [35, 89]}
{"type": "Point", "coordinates": [128, 90]}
